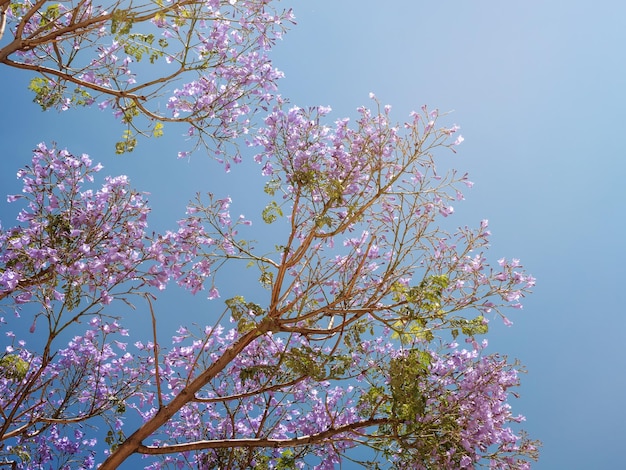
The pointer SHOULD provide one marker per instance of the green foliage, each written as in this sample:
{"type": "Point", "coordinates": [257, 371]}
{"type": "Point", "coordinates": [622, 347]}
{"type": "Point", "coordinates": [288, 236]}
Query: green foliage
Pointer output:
{"type": "Point", "coordinates": [13, 367]}
{"type": "Point", "coordinates": [323, 220]}
{"type": "Point", "coordinates": [239, 307]}
{"type": "Point", "coordinates": [158, 130]}
{"type": "Point", "coordinates": [352, 336]}
{"type": "Point", "coordinates": [310, 180]}
{"type": "Point", "coordinates": [122, 21]}
{"type": "Point", "coordinates": [476, 326]}
{"type": "Point", "coordinates": [58, 230]}
{"type": "Point", "coordinates": [73, 294]}
{"type": "Point", "coordinates": [304, 178]}
{"type": "Point", "coordinates": [286, 461]}
{"type": "Point", "coordinates": [47, 93]}
{"type": "Point", "coordinates": [256, 373]}
{"type": "Point", "coordinates": [308, 362]}
{"type": "Point", "coordinates": [428, 293]}
{"type": "Point", "coordinates": [415, 330]}
{"type": "Point", "coordinates": [271, 212]}
{"type": "Point", "coordinates": [404, 374]}
{"type": "Point", "coordinates": [21, 453]}
{"type": "Point", "coordinates": [81, 97]}
{"type": "Point", "coordinates": [129, 141]}
{"type": "Point", "coordinates": [17, 8]}
{"type": "Point", "coordinates": [426, 296]}
{"type": "Point", "coordinates": [267, 279]}
{"type": "Point", "coordinates": [50, 14]}
{"type": "Point", "coordinates": [335, 190]}
{"type": "Point", "coordinates": [129, 113]}
{"type": "Point", "coordinates": [120, 405]}
{"type": "Point", "coordinates": [137, 45]}
{"type": "Point", "coordinates": [127, 144]}
{"type": "Point", "coordinates": [244, 313]}
{"type": "Point", "coordinates": [114, 439]}
{"type": "Point", "coordinates": [422, 303]}
{"type": "Point", "coordinates": [272, 186]}
{"type": "Point", "coordinates": [373, 401]}
{"type": "Point", "coordinates": [303, 362]}
{"type": "Point", "coordinates": [182, 17]}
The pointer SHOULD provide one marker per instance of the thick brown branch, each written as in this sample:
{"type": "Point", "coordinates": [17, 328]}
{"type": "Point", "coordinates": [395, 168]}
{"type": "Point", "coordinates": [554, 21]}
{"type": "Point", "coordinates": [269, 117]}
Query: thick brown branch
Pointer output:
{"type": "Point", "coordinates": [134, 442]}
{"type": "Point", "coordinates": [272, 443]}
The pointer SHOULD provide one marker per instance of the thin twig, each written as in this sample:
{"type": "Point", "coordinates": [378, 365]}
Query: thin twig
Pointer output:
{"type": "Point", "coordinates": [155, 347]}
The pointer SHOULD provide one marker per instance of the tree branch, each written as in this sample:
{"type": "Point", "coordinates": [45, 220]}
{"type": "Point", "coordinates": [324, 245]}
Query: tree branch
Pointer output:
{"type": "Point", "coordinates": [72, 79]}
{"type": "Point", "coordinates": [261, 442]}
{"type": "Point", "coordinates": [186, 395]}
{"type": "Point", "coordinates": [37, 279]}
{"type": "Point", "coordinates": [155, 348]}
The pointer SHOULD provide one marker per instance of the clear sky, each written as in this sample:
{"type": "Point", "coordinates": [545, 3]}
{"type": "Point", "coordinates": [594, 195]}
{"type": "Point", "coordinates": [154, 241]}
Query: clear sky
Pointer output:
{"type": "Point", "coordinates": [538, 88]}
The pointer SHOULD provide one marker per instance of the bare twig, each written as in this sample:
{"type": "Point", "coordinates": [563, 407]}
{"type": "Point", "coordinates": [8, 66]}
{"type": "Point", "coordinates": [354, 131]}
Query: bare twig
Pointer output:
{"type": "Point", "coordinates": [155, 348]}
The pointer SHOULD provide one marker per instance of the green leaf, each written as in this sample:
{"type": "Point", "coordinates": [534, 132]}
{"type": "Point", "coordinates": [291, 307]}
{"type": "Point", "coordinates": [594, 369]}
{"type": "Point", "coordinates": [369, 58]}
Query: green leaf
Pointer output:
{"type": "Point", "coordinates": [267, 279]}
{"type": "Point", "coordinates": [81, 97]}
{"type": "Point", "coordinates": [404, 373]}
{"type": "Point", "coordinates": [127, 144]}
{"type": "Point", "coordinates": [286, 461]}
{"type": "Point", "coordinates": [158, 129]}
{"type": "Point", "coordinates": [271, 212]}
{"type": "Point", "coordinates": [304, 362]}
{"type": "Point", "coordinates": [121, 22]}
{"type": "Point", "coordinates": [239, 308]}
{"type": "Point", "coordinates": [244, 325]}
{"type": "Point", "coordinates": [371, 401]}
{"type": "Point", "coordinates": [13, 367]}
{"type": "Point", "coordinates": [272, 186]}
{"type": "Point", "coordinates": [51, 13]}
{"type": "Point", "coordinates": [304, 178]}
{"type": "Point", "coordinates": [129, 113]}
{"type": "Point", "coordinates": [47, 93]}
{"type": "Point", "coordinates": [476, 326]}
{"type": "Point", "coordinates": [323, 220]}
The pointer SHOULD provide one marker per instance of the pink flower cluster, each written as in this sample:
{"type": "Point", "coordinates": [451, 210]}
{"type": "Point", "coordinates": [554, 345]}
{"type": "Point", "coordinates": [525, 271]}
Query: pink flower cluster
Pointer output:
{"type": "Point", "coordinates": [216, 53]}
{"type": "Point", "coordinates": [472, 390]}
{"type": "Point", "coordinates": [263, 394]}
{"type": "Point", "coordinates": [78, 244]}
{"type": "Point", "coordinates": [45, 406]}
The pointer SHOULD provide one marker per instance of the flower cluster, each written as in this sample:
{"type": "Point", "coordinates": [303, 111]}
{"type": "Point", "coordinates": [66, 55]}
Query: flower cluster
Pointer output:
{"type": "Point", "coordinates": [366, 203]}
{"type": "Point", "coordinates": [46, 398]}
{"type": "Point", "coordinates": [450, 408]}
{"type": "Point", "coordinates": [341, 353]}
{"type": "Point", "coordinates": [77, 250]}
{"type": "Point", "coordinates": [465, 417]}
{"type": "Point", "coordinates": [338, 351]}
{"type": "Point", "coordinates": [273, 390]}
{"type": "Point", "coordinates": [216, 53]}
{"type": "Point", "coordinates": [78, 245]}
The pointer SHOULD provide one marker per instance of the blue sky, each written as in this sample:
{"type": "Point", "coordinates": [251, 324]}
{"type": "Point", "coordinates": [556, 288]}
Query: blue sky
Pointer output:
{"type": "Point", "coordinates": [538, 90]}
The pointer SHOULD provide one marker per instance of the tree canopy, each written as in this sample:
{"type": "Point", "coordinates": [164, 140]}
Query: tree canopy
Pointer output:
{"type": "Point", "coordinates": [365, 328]}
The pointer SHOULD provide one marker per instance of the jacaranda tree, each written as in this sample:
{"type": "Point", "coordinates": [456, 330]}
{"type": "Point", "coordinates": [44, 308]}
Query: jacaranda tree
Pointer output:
{"type": "Point", "coordinates": [349, 340]}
